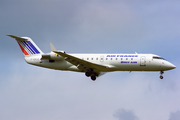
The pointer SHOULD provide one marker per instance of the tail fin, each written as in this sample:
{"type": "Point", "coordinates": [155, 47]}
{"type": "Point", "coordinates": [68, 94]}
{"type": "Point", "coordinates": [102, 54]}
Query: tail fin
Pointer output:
{"type": "Point", "coordinates": [27, 46]}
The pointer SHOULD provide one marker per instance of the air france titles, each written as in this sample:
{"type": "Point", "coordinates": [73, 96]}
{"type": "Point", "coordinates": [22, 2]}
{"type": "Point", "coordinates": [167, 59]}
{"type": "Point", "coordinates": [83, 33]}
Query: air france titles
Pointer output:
{"type": "Point", "coordinates": [122, 55]}
{"type": "Point", "coordinates": [131, 56]}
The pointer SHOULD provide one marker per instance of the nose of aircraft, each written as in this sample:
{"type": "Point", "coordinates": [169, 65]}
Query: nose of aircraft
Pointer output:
{"type": "Point", "coordinates": [170, 66]}
{"type": "Point", "coordinates": [173, 66]}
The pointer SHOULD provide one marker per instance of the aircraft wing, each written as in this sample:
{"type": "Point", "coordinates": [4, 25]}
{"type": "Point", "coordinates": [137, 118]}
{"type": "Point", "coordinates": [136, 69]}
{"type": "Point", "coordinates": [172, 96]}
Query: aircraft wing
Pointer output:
{"type": "Point", "coordinates": [82, 65]}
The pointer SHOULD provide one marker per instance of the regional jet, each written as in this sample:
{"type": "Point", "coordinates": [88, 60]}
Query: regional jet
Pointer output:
{"type": "Point", "coordinates": [92, 65]}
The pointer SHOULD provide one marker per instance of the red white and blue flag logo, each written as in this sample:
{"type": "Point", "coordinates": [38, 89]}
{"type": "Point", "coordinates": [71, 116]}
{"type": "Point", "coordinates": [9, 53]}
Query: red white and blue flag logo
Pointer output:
{"type": "Point", "coordinates": [28, 48]}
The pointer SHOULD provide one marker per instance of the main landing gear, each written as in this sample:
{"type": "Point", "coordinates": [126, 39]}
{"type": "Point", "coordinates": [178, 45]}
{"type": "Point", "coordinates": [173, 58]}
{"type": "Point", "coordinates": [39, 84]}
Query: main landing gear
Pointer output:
{"type": "Point", "coordinates": [161, 74]}
{"type": "Point", "coordinates": [93, 78]}
{"type": "Point", "coordinates": [92, 74]}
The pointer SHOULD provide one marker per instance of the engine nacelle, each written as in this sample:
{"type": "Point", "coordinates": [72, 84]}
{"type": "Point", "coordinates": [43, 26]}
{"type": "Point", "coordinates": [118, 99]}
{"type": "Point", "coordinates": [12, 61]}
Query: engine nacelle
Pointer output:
{"type": "Point", "coordinates": [52, 56]}
{"type": "Point", "coordinates": [55, 56]}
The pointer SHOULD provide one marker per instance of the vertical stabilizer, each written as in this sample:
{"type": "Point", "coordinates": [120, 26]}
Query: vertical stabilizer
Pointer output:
{"type": "Point", "coordinates": [27, 46]}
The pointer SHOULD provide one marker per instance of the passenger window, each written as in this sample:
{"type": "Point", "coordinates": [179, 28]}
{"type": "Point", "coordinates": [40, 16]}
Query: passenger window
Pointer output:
{"type": "Point", "coordinates": [116, 58]}
{"type": "Point", "coordinates": [87, 58]}
{"type": "Point", "coordinates": [106, 58]}
{"type": "Point", "coordinates": [111, 58]}
{"type": "Point", "coordinates": [96, 58]}
{"type": "Point", "coordinates": [91, 58]}
{"type": "Point", "coordinates": [121, 58]}
{"type": "Point", "coordinates": [131, 58]}
{"type": "Point", "coordinates": [126, 58]}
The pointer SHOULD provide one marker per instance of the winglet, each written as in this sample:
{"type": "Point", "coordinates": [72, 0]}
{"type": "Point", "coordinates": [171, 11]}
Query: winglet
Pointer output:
{"type": "Point", "coordinates": [52, 47]}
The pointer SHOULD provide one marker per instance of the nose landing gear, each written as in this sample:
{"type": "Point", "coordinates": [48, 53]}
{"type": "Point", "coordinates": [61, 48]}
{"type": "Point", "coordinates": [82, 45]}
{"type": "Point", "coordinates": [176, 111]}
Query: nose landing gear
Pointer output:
{"type": "Point", "coordinates": [161, 74]}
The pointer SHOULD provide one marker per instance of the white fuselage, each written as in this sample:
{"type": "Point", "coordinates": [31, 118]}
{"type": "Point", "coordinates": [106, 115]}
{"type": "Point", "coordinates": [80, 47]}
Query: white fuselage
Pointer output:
{"type": "Point", "coordinates": [93, 65]}
{"type": "Point", "coordinates": [115, 62]}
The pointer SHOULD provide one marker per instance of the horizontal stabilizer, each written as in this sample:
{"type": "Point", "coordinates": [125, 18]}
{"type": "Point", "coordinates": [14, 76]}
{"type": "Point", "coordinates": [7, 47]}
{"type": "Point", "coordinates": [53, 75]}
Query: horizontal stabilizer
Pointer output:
{"type": "Point", "coordinates": [18, 38]}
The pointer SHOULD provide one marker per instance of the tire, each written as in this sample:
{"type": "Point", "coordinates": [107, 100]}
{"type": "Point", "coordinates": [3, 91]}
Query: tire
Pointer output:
{"type": "Point", "coordinates": [87, 74]}
{"type": "Point", "coordinates": [93, 78]}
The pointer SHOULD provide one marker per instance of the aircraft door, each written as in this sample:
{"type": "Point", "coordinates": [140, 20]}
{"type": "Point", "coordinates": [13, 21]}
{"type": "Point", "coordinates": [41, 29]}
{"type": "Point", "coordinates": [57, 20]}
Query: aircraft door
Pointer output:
{"type": "Point", "coordinates": [102, 59]}
{"type": "Point", "coordinates": [143, 61]}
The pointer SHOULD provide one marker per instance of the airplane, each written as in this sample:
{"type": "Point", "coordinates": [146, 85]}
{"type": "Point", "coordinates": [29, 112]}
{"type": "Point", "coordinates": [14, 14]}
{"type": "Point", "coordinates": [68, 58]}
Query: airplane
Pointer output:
{"type": "Point", "coordinates": [93, 65]}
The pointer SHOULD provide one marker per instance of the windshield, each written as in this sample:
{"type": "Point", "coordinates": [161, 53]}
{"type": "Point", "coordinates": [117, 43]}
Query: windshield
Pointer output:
{"type": "Point", "coordinates": [156, 57]}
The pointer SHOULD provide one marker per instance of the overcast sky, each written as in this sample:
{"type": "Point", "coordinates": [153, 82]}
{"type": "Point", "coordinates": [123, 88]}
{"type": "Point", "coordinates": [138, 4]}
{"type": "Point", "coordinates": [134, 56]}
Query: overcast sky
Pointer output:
{"type": "Point", "coordinates": [92, 26]}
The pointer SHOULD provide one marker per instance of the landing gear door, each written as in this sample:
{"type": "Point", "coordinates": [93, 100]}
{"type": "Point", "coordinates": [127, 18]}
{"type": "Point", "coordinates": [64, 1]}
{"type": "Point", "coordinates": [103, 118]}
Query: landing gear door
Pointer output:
{"type": "Point", "coordinates": [143, 61]}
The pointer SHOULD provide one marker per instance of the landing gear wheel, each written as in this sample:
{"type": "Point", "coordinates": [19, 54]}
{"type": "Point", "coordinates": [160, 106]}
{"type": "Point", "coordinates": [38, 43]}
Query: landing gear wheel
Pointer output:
{"type": "Point", "coordinates": [93, 78]}
{"type": "Point", "coordinates": [87, 74]}
{"type": "Point", "coordinates": [161, 72]}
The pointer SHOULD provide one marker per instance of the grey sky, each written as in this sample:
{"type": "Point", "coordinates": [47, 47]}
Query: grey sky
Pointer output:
{"type": "Point", "coordinates": [91, 26]}
{"type": "Point", "coordinates": [125, 115]}
{"type": "Point", "coordinates": [175, 115]}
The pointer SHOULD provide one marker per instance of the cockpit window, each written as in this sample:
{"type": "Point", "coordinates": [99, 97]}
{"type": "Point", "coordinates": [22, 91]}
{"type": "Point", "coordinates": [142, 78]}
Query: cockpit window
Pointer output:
{"type": "Point", "coordinates": [156, 57]}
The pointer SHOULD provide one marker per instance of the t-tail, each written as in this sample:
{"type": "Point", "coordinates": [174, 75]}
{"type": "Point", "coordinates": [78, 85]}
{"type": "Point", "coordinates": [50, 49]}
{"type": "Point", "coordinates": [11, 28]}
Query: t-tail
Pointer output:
{"type": "Point", "coordinates": [27, 46]}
